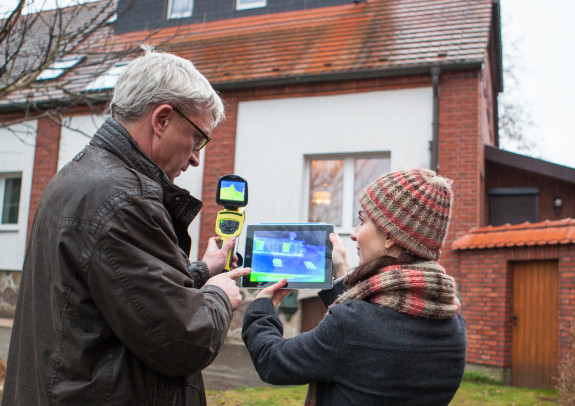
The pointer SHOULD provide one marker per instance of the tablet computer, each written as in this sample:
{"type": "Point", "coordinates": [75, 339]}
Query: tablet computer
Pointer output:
{"type": "Point", "coordinates": [301, 253]}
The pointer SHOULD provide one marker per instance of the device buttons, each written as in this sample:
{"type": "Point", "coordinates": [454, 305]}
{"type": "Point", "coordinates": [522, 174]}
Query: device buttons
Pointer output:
{"type": "Point", "coordinates": [229, 226]}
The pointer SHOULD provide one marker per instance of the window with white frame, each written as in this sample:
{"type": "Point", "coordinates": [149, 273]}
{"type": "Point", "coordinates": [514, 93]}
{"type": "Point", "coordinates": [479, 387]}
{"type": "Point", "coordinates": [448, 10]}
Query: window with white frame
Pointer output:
{"type": "Point", "coordinates": [108, 79]}
{"type": "Point", "coordinates": [180, 8]}
{"type": "Point", "coordinates": [59, 67]}
{"type": "Point", "coordinates": [247, 4]}
{"type": "Point", "coordinates": [336, 183]}
{"type": "Point", "coordinates": [10, 185]}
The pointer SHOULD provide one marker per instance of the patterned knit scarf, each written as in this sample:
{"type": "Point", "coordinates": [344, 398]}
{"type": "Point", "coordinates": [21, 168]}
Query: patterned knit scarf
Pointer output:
{"type": "Point", "coordinates": [421, 289]}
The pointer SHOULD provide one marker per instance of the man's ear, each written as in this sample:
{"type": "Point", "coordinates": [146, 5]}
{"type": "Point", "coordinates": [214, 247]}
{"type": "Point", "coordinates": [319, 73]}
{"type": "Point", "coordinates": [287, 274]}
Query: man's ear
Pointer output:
{"type": "Point", "coordinates": [160, 118]}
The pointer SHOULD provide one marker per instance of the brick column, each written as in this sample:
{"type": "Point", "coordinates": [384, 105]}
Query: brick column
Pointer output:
{"type": "Point", "coordinates": [218, 161]}
{"type": "Point", "coordinates": [45, 161]}
{"type": "Point", "coordinates": [460, 156]}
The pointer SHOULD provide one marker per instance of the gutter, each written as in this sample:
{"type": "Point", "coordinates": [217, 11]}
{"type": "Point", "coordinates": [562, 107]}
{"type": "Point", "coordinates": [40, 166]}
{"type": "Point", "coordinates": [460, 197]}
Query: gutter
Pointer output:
{"type": "Point", "coordinates": [368, 74]}
{"type": "Point", "coordinates": [435, 73]}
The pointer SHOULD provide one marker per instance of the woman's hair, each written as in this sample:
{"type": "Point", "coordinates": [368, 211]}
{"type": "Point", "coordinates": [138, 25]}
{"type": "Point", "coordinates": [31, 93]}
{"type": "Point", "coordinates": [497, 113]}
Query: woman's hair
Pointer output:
{"type": "Point", "coordinates": [373, 267]}
{"type": "Point", "coordinates": [158, 77]}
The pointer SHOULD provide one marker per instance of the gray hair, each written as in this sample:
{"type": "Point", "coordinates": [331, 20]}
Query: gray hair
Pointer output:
{"type": "Point", "coordinates": [159, 77]}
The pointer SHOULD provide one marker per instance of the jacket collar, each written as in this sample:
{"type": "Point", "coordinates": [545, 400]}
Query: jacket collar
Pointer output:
{"type": "Point", "coordinates": [113, 137]}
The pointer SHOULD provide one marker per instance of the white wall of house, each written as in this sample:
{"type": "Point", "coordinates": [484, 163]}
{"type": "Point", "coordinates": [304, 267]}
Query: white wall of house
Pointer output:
{"type": "Point", "coordinates": [74, 138]}
{"type": "Point", "coordinates": [76, 135]}
{"type": "Point", "coordinates": [16, 158]}
{"type": "Point", "coordinates": [275, 139]}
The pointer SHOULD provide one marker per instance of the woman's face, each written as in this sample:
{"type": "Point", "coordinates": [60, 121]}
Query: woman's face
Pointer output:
{"type": "Point", "coordinates": [370, 241]}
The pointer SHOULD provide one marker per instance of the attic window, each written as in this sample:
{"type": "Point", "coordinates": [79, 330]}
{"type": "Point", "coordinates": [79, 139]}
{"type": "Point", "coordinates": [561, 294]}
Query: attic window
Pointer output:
{"type": "Point", "coordinates": [108, 79]}
{"type": "Point", "coordinates": [247, 4]}
{"type": "Point", "coordinates": [180, 8]}
{"type": "Point", "coordinates": [57, 68]}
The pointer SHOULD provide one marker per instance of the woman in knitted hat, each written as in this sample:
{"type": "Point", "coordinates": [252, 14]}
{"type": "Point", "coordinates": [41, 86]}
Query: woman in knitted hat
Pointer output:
{"type": "Point", "coordinates": [394, 334]}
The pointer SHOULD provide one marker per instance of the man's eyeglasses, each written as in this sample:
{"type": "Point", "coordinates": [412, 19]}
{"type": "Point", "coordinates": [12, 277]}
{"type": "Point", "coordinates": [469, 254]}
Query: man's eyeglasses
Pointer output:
{"type": "Point", "coordinates": [205, 138]}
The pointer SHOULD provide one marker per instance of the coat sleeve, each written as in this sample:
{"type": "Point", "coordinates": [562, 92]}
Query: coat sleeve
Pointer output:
{"type": "Point", "coordinates": [312, 356]}
{"type": "Point", "coordinates": [199, 272]}
{"type": "Point", "coordinates": [140, 283]}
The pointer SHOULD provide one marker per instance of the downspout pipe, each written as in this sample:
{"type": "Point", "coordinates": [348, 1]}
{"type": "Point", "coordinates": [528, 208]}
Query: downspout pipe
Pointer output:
{"type": "Point", "coordinates": [435, 73]}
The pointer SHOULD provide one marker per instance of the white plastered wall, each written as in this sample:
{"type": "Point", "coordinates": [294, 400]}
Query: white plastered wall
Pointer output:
{"type": "Point", "coordinates": [17, 145]}
{"type": "Point", "coordinates": [275, 136]}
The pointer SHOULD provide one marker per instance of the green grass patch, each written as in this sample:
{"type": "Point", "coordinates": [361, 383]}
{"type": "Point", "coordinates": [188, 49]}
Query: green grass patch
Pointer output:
{"type": "Point", "coordinates": [480, 394]}
{"type": "Point", "coordinates": [268, 396]}
{"type": "Point", "coordinates": [471, 393]}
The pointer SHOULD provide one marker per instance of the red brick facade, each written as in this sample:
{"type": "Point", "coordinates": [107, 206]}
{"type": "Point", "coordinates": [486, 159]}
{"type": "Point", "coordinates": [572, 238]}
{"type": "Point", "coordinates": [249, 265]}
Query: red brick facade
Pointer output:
{"type": "Point", "coordinates": [461, 155]}
{"type": "Point", "coordinates": [486, 289]}
{"type": "Point", "coordinates": [503, 176]}
{"type": "Point", "coordinates": [45, 161]}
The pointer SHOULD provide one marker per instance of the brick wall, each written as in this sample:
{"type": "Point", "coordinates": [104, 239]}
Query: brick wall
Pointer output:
{"type": "Point", "coordinates": [566, 297]}
{"type": "Point", "coordinates": [219, 161]}
{"type": "Point", "coordinates": [45, 161]}
{"type": "Point", "coordinates": [500, 176]}
{"type": "Point", "coordinates": [487, 305]}
{"type": "Point", "coordinates": [460, 155]}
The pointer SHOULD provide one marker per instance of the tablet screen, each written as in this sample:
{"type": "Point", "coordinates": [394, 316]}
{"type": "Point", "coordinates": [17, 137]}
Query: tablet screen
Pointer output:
{"type": "Point", "coordinates": [301, 253]}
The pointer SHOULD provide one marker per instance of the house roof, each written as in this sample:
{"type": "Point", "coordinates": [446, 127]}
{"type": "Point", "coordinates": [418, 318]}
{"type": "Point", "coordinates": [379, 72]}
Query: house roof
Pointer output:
{"type": "Point", "coordinates": [559, 232]}
{"type": "Point", "coordinates": [373, 38]}
{"type": "Point", "coordinates": [84, 26]}
{"type": "Point", "coordinates": [499, 156]}
{"type": "Point", "coordinates": [366, 39]}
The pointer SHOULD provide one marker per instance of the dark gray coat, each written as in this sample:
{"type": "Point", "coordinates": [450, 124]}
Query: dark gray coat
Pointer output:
{"type": "Point", "coordinates": [361, 354]}
{"type": "Point", "coordinates": [110, 309]}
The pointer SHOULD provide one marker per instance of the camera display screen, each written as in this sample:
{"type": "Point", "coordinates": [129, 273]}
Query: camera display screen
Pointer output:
{"type": "Point", "coordinates": [233, 191]}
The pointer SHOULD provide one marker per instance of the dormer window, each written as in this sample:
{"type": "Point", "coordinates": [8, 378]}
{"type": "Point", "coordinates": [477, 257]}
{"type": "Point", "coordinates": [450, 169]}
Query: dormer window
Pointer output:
{"type": "Point", "coordinates": [59, 67]}
{"type": "Point", "coordinates": [247, 4]}
{"type": "Point", "coordinates": [180, 8]}
{"type": "Point", "coordinates": [108, 79]}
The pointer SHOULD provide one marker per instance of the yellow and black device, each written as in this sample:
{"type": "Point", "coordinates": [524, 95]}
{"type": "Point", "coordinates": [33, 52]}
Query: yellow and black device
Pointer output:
{"type": "Point", "coordinates": [232, 193]}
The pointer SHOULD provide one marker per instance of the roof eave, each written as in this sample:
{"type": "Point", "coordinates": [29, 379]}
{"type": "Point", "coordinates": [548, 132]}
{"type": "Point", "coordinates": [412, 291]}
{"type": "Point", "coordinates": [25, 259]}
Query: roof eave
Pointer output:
{"type": "Point", "coordinates": [350, 75]}
{"type": "Point", "coordinates": [556, 171]}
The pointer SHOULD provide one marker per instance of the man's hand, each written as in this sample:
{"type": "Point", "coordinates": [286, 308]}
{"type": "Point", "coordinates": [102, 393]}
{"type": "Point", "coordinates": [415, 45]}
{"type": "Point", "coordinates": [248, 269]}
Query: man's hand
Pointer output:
{"type": "Point", "coordinates": [274, 292]}
{"type": "Point", "coordinates": [226, 282]}
{"type": "Point", "coordinates": [338, 256]}
{"type": "Point", "coordinates": [215, 257]}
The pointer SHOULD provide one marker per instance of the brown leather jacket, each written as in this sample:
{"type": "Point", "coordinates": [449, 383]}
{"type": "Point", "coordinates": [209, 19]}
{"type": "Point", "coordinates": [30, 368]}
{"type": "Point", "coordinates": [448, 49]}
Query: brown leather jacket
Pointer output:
{"type": "Point", "coordinates": [110, 309]}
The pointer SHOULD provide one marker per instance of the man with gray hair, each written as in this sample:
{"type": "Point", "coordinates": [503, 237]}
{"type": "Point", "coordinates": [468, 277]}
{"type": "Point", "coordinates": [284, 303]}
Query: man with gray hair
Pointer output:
{"type": "Point", "coordinates": [111, 311]}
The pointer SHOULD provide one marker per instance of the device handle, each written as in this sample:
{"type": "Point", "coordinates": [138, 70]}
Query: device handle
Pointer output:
{"type": "Point", "coordinates": [230, 258]}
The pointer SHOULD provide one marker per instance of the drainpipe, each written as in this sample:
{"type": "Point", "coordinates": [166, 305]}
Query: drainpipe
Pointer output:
{"type": "Point", "coordinates": [435, 72]}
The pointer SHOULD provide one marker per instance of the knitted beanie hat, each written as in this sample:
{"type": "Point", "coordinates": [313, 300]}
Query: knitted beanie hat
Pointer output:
{"type": "Point", "coordinates": [411, 207]}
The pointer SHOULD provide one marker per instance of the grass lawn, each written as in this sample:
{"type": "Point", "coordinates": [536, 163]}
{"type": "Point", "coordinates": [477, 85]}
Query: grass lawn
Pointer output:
{"type": "Point", "coordinates": [469, 394]}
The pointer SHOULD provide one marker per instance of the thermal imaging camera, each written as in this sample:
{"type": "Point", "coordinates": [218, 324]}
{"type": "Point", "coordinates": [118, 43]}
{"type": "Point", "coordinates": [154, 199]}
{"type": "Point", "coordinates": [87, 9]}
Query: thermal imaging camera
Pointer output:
{"type": "Point", "coordinates": [232, 193]}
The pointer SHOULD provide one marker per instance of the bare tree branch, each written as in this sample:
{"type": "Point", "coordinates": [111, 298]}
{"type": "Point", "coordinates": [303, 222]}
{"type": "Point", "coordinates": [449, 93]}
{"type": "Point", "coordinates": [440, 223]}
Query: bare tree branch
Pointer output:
{"type": "Point", "coordinates": [514, 111]}
{"type": "Point", "coordinates": [32, 45]}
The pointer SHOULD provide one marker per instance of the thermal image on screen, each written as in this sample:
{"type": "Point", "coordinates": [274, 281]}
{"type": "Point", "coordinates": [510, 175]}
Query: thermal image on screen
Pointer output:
{"type": "Point", "coordinates": [231, 190]}
{"type": "Point", "coordinates": [296, 256]}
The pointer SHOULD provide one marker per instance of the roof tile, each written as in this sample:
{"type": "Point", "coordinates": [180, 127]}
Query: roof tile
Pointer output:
{"type": "Point", "coordinates": [559, 232]}
{"type": "Point", "coordinates": [350, 40]}
{"type": "Point", "coordinates": [364, 37]}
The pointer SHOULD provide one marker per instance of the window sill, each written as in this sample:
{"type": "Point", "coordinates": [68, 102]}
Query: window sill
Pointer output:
{"type": "Point", "coordinates": [9, 228]}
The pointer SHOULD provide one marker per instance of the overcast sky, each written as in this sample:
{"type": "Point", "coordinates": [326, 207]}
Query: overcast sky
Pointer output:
{"type": "Point", "coordinates": [544, 34]}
